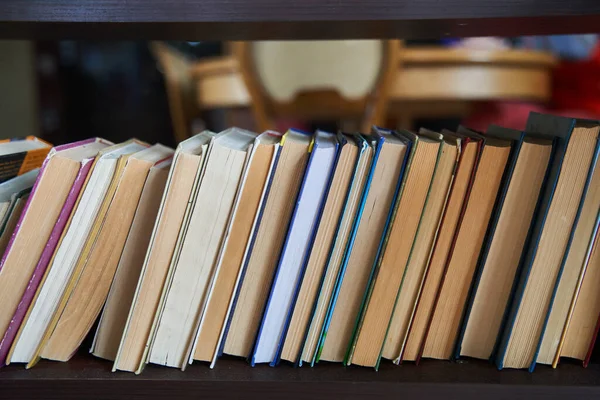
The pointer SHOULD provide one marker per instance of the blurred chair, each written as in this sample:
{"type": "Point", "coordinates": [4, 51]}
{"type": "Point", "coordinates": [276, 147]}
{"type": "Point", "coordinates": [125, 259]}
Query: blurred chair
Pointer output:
{"type": "Point", "coordinates": [346, 80]}
{"type": "Point", "coordinates": [180, 88]}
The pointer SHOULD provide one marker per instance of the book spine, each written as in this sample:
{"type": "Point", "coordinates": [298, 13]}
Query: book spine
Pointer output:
{"type": "Point", "coordinates": [348, 250]}
{"type": "Point", "coordinates": [591, 246]}
{"type": "Point", "coordinates": [427, 199]}
{"type": "Point", "coordinates": [410, 147]}
{"type": "Point", "coordinates": [248, 253]}
{"type": "Point", "coordinates": [313, 149]}
{"type": "Point", "coordinates": [42, 264]}
{"type": "Point", "coordinates": [487, 242]}
{"type": "Point", "coordinates": [459, 144]}
{"type": "Point", "coordinates": [306, 258]}
{"type": "Point", "coordinates": [529, 250]}
{"type": "Point", "coordinates": [480, 146]}
{"type": "Point", "coordinates": [330, 253]}
{"type": "Point", "coordinates": [565, 255]}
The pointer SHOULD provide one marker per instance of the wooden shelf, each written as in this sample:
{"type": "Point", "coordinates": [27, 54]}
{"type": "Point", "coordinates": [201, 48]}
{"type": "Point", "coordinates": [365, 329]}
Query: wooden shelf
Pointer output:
{"type": "Point", "coordinates": [287, 19]}
{"type": "Point", "coordinates": [88, 377]}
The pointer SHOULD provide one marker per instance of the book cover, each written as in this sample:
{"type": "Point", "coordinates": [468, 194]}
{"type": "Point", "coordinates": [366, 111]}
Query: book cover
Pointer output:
{"type": "Point", "coordinates": [303, 206]}
{"type": "Point", "coordinates": [410, 262]}
{"type": "Point", "coordinates": [42, 264]}
{"type": "Point", "coordinates": [29, 153]}
{"type": "Point", "coordinates": [588, 255]}
{"type": "Point", "coordinates": [458, 142]}
{"type": "Point", "coordinates": [559, 128]}
{"type": "Point", "coordinates": [250, 246]}
{"type": "Point", "coordinates": [564, 259]}
{"type": "Point", "coordinates": [242, 220]}
{"type": "Point", "coordinates": [466, 136]}
{"type": "Point", "coordinates": [362, 146]}
{"type": "Point", "coordinates": [51, 153]}
{"type": "Point", "coordinates": [14, 189]}
{"type": "Point", "coordinates": [411, 141]}
{"type": "Point", "coordinates": [54, 151]}
{"type": "Point", "coordinates": [517, 138]}
{"type": "Point", "coordinates": [376, 142]}
{"type": "Point", "coordinates": [591, 347]}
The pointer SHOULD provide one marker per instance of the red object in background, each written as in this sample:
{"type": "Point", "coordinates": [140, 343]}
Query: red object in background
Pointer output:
{"type": "Point", "coordinates": [507, 114]}
{"type": "Point", "coordinates": [576, 85]}
{"type": "Point", "coordinates": [575, 93]}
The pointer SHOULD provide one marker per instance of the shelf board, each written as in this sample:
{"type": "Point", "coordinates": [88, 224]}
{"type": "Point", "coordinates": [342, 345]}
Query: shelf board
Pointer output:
{"type": "Point", "coordinates": [292, 19]}
{"type": "Point", "coordinates": [86, 376]}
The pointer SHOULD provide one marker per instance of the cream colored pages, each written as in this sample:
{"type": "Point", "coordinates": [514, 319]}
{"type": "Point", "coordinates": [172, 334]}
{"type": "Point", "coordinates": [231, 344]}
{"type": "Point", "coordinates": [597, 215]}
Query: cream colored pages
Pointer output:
{"type": "Point", "coordinates": [199, 251]}
{"type": "Point", "coordinates": [116, 309]}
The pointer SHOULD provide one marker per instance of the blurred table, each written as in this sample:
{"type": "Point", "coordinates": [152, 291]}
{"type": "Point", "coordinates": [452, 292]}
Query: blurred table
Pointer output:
{"type": "Point", "coordinates": [432, 82]}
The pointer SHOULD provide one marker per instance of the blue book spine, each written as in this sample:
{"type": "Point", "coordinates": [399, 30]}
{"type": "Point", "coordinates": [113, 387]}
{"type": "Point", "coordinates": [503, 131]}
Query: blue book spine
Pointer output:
{"type": "Point", "coordinates": [273, 362]}
{"type": "Point", "coordinates": [307, 256]}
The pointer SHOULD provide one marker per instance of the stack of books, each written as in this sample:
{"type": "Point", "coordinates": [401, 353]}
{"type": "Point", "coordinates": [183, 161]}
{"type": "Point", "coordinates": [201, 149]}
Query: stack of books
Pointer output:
{"type": "Point", "coordinates": [308, 247]}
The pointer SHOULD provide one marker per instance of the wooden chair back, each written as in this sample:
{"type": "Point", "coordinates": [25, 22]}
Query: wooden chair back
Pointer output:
{"type": "Point", "coordinates": [318, 80]}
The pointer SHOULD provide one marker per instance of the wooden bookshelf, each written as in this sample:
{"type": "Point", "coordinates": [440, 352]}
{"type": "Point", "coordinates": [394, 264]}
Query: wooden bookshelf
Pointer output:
{"type": "Point", "coordinates": [87, 377]}
{"type": "Point", "coordinates": [292, 19]}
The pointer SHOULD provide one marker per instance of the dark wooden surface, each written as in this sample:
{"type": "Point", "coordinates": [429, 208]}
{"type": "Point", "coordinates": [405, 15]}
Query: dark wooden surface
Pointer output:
{"type": "Point", "coordinates": [88, 377]}
{"type": "Point", "coordinates": [285, 19]}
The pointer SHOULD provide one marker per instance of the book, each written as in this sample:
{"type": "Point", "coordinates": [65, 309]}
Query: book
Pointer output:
{"type": "Point", "coordinates": [328, 229]}
{"type": "Point", "coordinates": [12, 218]}
{"type": "Point", "coordinates": [340, 252]}
{"type": "Point", "coordinates": [35, 228]}
{"type": "Point", "coordinates": [498, 154]}
{"type": "Point", "coordinates": [11, 191]}
{"type": "Point", "coordinates": [87, 291]}
{"type": "Point", "coordinates": [380, 299]}
{"type": "Point", "coordinates": [185, 169]}
{"type": "Point", "coordinates": [297, 248]}
{"type": "Point", "coordinates": [489, 186]}
{"type": "Point", "coordinates": [42, 264]}
{"type": "Point", "coordinates": [115, 311]}
{"type": "Point", "coordinates": [21, 155]}
{"type": "Point", "coordinates": [267, 244]}
{"type": "Point", "coordinates": [44, 305]}
{"type": "Point", "coordinates": [571, 275]}
{"type": "Point", "coordinates": [389, 162]}
{"type": "Point", "coordinates": [549, 237]}
{"type": "Point", "coordinates": [412, 282]}
{"type": "Point", "coordinates": [192, 271]}
{"type": "Point", "coordinates": [502, 248]}
{"type": "Point", "coordinates": [237, 241]}
{"type": "Point", "coordinates": [471, 145]}
{"type": "Point", "coordinates": [581, 329]}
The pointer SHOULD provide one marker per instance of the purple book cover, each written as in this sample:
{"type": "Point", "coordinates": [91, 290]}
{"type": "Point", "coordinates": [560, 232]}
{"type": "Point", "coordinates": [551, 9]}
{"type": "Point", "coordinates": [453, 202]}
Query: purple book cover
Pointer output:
{"type": "Point", "coordinates": [40, 268]}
